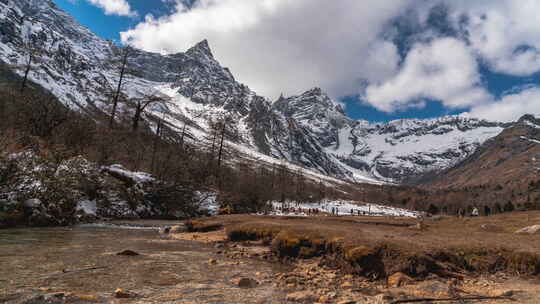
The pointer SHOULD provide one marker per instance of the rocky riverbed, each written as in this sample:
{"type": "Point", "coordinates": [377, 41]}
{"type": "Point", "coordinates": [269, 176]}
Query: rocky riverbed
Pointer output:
{"type": "Point", "coordinates": [314, 281]}
{"type": "Point", "coordinates": [82, 265]}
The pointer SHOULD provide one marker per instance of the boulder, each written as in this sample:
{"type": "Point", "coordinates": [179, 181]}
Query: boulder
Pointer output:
{"type": "Point", "coordinates": [120, 293]}
{"type": "Point", "coordinates": [32, 203]}
{"type": "Point", "coordinates": [128, 253]}
{"type": "Point", "coordinates": [529, 230]}
{"type": "Point", "coordinates": [165, 230]}
{"type": "Point", "coordinates": [40, 218]}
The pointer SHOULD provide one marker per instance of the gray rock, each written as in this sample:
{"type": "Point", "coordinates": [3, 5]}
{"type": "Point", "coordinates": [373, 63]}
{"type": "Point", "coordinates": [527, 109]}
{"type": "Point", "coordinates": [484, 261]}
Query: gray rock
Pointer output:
{"type": "Point", "coordinates": [529, 230]}
{"type": "Point", "coordinates": [247, 283]}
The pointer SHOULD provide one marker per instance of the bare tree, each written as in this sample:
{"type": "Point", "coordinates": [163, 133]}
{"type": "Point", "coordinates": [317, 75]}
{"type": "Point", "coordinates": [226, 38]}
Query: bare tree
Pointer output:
{"type": "Point", "coordinates": [27, 69]}
{"type": "Point", "coordinates": [220, 153]}
{"type": "Point", "coordinates": [140, 105]}
{"type": "Point", "coordinates": [182, 137]}
{"type": "Point", "coordinates": [123, 69]}
{"type": "Point", "coordinates": [155, 143]}
{"type": "Point", "coordinates": [32, 53]}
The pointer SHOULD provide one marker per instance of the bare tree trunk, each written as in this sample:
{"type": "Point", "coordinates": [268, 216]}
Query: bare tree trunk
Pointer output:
{"type": "Point", "coordinates": [119, 88]}
{"type": "Point", "coordinates": [182, 137]}
{"type": "Point", "coordinates": [137, 117]}
{"type": "Point", "coordinates": [154, 148]}
{"type": "Point", "coordinates": [273, 178]}
{"type": "Point", "coordinates": [213, 143]}
{"type": "Point", "coordinates": [221, 145]}
{"type": "Point", "coordinates": [26, 72]}
{"type": "Point", "coordinates": [220, 154]}
{"type": "Point", "coordinates": [140, 106]}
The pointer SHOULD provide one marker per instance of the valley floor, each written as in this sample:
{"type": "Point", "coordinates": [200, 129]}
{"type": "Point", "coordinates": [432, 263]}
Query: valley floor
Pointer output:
{"type": "Point", "coordinates": [270, 259]}
{"type": "Point", "coordinates": [388, 260]}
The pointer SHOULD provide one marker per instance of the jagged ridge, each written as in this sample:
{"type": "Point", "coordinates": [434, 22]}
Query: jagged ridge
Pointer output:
{"type": "Point", "coordinates": [309, 129]}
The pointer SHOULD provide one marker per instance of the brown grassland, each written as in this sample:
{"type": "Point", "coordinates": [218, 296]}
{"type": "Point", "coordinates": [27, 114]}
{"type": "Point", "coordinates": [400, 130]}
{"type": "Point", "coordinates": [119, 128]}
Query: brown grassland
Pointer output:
{"type": "Point", "coordinates": [376, 248]}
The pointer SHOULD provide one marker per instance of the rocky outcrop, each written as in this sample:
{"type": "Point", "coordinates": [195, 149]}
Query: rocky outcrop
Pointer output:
{"type": "Point", "coordinates": [39, 192]}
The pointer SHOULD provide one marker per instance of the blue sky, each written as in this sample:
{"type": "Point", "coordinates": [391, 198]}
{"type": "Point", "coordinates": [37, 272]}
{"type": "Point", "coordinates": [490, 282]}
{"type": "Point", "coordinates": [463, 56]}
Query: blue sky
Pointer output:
{"type": "Point", "coordinates": [413, 61]}
{"type": "Point", "coordinates": [109, 27]}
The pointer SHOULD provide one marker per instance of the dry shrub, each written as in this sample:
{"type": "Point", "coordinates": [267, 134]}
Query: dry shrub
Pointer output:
{"type": "Point", "coordinates": [495, 260]}
{"type": "Point", "coordinates": [298, 244]}
{"type": "Point", "coordinates": [305, 238]}
{"type": "Point", "coordinates": [203, 226]}
{"type": "Point", "coordinates": [253, 232]}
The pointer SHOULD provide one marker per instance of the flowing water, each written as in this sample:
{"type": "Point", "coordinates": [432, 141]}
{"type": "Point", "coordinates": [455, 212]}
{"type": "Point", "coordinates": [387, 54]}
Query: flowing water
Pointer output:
{"type": "Point", "coordinates": [36, 261]}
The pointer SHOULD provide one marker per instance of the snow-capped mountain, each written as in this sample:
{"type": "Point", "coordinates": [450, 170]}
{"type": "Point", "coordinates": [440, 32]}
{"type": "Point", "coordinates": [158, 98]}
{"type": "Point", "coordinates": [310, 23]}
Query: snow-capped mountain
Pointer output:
{"type": "Point", "coordinates": [310, 129]}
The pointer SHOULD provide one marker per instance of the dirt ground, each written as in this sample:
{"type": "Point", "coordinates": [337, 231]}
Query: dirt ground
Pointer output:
{"type": "Point", "coordinates": [497, 231]}
{"type": "Point", "coordinates": [250, 259]}
{"type": "Point", "coordinates": [331, 283]}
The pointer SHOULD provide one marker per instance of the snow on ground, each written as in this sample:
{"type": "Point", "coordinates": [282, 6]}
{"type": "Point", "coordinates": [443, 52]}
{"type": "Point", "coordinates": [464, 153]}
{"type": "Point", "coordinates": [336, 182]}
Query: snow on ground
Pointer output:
{"type": "Point", "coordinates": [255, 156]}
{"type": "Point", "coordinates": [530, 139]}
{"type": "Point", "coordinates": [397, 150]}
{"type": "Point", "coordinates": [531, 124]}
{"type": "Point", "coordinates": [88, 207]}
{"type": "Point", "coordinates": [341, 208]}
{"type": "Point", "coordinates": [138, 177]}
{"type": "Point", "coordinates": [208, 202]}
{"type": "Point", "coordinates": [183, 106]}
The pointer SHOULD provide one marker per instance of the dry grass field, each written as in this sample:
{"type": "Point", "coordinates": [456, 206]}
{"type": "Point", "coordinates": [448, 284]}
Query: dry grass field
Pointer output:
{"type": "Point", "coordinates": [379, 247]}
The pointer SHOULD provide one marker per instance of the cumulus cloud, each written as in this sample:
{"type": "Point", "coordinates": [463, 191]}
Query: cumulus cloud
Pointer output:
{"type": "Point", "coordinates": [348, 47]}
{"type": "Point", "coordinates": [503, 32]}
{"type": "Point", "coordinates": [510, 107]}
{"type": "Point", "coordinates": [283, 46]}
{"type": "Point", "coordinates": [443, 70]}
{"type": "Point", "coordinates": [114, 7]}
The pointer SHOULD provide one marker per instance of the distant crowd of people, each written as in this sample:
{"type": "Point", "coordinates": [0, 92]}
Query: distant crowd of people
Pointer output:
{"type": "Point", "coordinates": [474, 212]}
{"type": "Point", "coordinates": [284, 209]}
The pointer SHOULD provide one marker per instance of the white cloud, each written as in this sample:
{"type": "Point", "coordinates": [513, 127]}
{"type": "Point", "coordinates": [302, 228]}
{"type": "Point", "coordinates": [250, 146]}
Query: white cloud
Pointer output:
{"type": "Point", "coordinates": [503, 32]}
{"type": "Point", "coordinates": [286, 46]}
{"type": "Point", "coordinates": [510, 107]}
{"type": "Point", "coordinates": [444, 70]}
{"type": "Point", "coordinates": [114, 7]}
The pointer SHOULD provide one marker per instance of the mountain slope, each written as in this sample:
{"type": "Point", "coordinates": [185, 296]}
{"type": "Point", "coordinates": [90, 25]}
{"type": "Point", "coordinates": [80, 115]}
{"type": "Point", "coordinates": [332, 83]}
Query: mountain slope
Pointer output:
{"type": "Point", "coordinates": [309, 129]}
{"type": "Point", "coordinates": [511, 159]}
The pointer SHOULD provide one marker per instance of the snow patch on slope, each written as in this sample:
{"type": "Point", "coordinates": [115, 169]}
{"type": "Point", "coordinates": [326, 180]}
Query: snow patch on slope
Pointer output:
{"type": "Point", "coordinates": [341, 207]}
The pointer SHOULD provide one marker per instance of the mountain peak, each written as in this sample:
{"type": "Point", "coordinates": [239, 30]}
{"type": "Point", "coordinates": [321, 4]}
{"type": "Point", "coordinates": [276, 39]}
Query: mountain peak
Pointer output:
{"type": "Point", "coordinates": [201, 48]}
{"type": "Point", "coordinates": [314, 91]}
{"type": "Point", "coordinates": [529, 120]}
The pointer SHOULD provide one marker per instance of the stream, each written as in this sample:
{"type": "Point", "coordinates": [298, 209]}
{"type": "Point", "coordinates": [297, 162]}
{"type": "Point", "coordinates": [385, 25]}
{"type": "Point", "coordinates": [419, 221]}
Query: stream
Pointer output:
{"type": "Point", "coordinates": [39, 261]}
